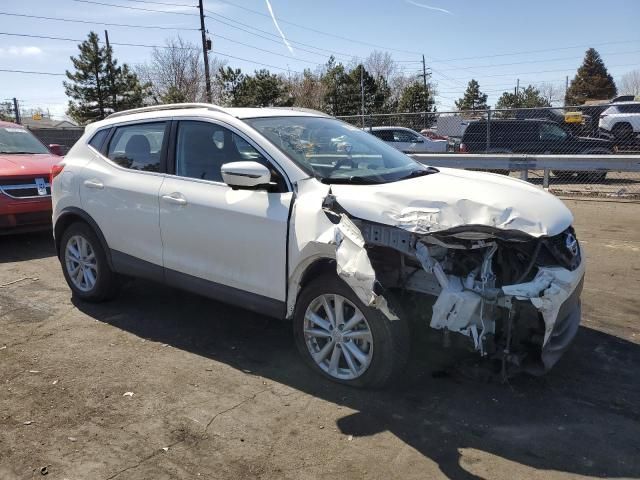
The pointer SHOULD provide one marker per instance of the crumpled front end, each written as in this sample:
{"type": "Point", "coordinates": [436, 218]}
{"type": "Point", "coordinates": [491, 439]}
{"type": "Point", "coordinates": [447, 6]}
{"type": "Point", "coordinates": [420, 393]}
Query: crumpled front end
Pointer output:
{"type": "Point", "coordinates": [510, 295]}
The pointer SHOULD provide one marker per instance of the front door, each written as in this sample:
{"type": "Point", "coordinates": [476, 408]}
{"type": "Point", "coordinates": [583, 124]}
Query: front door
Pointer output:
{"type": "Point", "coordinates": [223, 242]}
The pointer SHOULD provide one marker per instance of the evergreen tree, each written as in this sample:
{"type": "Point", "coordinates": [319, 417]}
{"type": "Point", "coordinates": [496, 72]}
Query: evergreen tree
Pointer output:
{"type": "Point", "coordinates": [473, 98]}
{"type": "Point", "coordinates": [530, 97]}
{"type": "Point", "coordinates": [263, 89]}
{"type": "Point", "coordinates": [229, 82]}
{"type": "Point", "coordinates": [415, 98]}
{"type": "Point", "coordinates": [592, 82]}
{"type": "Point", "coordinates": [99, 86]}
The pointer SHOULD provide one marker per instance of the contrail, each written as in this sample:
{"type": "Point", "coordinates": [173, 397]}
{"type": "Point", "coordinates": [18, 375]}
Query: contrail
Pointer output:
{"type": "Point", "coordinates": [275, 22]}
{"type": "Point", "coordinates": [421, 5]}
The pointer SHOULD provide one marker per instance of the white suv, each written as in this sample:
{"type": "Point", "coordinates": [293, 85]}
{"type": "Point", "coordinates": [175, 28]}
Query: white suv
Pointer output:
{"type": "Point", "coordinates": [622, 120]}
{"type": "Point", "coordinates": [348, 239]}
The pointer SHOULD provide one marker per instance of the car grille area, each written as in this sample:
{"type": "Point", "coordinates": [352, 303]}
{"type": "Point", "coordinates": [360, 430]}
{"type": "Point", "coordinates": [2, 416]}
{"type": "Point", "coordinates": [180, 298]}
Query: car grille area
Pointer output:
{"type": "Point", "coordinates": [26, 187]}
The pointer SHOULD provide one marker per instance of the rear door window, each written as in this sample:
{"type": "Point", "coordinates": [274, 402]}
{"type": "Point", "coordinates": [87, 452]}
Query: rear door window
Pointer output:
{"type": "Point", "coordinates": [139, 146]}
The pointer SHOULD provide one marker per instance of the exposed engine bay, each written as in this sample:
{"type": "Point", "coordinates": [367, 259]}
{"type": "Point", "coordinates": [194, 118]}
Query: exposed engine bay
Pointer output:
{"type": "Point", "coordinates": [511, 295]}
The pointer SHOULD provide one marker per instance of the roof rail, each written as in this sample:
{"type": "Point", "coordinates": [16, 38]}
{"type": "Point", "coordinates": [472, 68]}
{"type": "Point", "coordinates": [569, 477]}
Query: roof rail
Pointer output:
{"type": "Point", "coordinates": [168, 106]}
{"type": "Point", "coordinates": [303, 109]}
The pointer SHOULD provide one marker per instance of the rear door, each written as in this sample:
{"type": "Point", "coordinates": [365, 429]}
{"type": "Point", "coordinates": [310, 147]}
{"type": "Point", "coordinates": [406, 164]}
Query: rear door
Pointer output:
{"type": "Point", "coordinates": [120, 191]}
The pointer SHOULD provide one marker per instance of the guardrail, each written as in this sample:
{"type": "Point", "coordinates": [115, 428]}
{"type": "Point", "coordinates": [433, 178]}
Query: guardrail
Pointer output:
{"type": "Point", "coordinates": [578, 174]}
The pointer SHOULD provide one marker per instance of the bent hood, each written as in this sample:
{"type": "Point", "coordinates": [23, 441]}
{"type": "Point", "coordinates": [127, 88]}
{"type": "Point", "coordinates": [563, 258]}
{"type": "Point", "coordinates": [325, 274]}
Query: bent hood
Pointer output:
{"type": "Point", "coordinates": [454, 198]}
{"type": "Point", "coordinates": [12, 165]}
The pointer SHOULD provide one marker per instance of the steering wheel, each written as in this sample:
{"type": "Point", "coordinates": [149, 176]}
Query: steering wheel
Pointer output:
{"type": "Point", "coordinates": [341, 162]}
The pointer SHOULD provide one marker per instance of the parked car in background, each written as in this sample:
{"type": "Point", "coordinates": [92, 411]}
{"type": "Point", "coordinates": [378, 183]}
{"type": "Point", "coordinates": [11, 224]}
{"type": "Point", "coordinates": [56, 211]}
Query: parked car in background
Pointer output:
{"type": "Point", "coordinates": [232, 203]}
{"type": "Point", "coordinates": [621, 121]}
{"type": "Point", "coordinates": [532, 136]}
{"type": "Point", "coordinates": [25, 193]}
{"type": "Point", "coordinates": [407, 140]}
{"type": "Point", "coordinates": [432, 134]}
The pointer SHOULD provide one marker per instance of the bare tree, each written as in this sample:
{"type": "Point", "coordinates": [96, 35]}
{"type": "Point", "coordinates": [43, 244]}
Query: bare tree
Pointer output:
{"type": "Point", "coordinates": [630, 83]}
{"type": "Point", "coordinates": [553, 94]}
{"type": "Point", "coordinates": [307, 90]}
{"type": "Point", "coordinates": [381, 65]}
{"type": "Point", "coordinates": [175, 72]}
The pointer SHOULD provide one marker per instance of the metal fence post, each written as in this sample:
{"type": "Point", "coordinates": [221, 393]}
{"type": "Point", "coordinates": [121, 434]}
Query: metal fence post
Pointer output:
{"type": "Point", "coordinates": [488, 129]}
{"type": "Point", "coordinates": [545, 179]}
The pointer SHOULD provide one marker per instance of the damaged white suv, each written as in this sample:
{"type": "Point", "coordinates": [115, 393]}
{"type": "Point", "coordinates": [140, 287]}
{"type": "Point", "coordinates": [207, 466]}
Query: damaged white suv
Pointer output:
{"type": "Point", "coordinates": [297, 215]}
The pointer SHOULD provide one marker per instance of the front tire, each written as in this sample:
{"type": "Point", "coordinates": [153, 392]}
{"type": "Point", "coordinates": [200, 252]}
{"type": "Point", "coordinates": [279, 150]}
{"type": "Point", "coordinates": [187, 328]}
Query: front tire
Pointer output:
{"type": "Point", "coordinates": [345, 340]}
{"type": "Point", "coordinates": [85, 266]}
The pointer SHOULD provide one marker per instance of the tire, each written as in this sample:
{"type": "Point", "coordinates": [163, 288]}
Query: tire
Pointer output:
{"type": "Point", "coordinates": [91, 263]}
{"type": "Point", "coordinates": [622, 132]}
{"type": "Point", "coordinates": [387, 351]}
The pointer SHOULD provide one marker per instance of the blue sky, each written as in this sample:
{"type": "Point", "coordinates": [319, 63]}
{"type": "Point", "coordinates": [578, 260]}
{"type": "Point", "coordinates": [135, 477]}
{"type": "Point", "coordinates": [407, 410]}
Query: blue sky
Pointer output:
{"type": "Point", "coordinates": [494, 41]}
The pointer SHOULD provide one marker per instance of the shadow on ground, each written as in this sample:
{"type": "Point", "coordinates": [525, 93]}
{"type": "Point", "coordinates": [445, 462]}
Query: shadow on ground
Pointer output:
{"type": "Point", "coordinates": [583, 418]}
{"type": "Point", "coordinates": [26, 246]}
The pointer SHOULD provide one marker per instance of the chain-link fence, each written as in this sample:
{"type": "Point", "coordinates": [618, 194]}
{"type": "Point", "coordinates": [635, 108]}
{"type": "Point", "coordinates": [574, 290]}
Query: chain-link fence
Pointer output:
{"type": "Point", "coordinates": [580, 143]}
{"type": "Point", "coordinates": [65, 137]}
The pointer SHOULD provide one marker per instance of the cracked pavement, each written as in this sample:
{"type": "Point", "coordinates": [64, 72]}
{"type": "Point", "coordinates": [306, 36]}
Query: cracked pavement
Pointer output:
{"type": "Point", "coordinates": [221, 393]}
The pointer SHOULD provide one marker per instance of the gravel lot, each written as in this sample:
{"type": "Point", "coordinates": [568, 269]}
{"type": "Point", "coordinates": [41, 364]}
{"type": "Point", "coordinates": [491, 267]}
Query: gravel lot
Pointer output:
{"type": "Point", "coordinates": [220, 393]}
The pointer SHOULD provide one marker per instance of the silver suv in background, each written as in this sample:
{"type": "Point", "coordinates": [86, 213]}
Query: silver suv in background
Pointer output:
{"type": "Point", "coordinates": [407, 140]}
{"type": "Point", "coordinates": [622, 121]}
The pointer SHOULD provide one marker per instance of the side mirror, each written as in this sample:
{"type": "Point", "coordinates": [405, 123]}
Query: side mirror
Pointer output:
{"type": "Point", "coordinates": [56, 149]}
{"type": "Point", "coordinates": [245, 174]}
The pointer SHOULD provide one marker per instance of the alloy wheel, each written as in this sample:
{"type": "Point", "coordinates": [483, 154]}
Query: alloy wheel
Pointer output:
{"type": "Point", "coordinates": [338, 336]}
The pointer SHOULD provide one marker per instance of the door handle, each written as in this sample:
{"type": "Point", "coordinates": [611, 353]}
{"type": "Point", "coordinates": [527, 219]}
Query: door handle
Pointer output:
{"type": "Point", "coordinates": [175, 198]}
{"type": "Point", "coordinates": [94, 184]}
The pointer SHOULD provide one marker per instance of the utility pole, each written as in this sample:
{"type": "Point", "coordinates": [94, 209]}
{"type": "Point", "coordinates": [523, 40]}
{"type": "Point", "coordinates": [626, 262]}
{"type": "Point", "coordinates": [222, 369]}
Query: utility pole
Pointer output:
{"type": "Point", "coordinates": [424, 83]}
{"type": "Point", "coordinates": [110, 71]}
{"type": "Point", "coordinates": [16, 110]}
{"type": "Point", "coordinates": [205, 54]}
{"type": "Point", "coordinates": [362, 93]}
{"type": "Point", "coordinates": [566, 83]}
{"type": "Point", "coordinates": [517, 86]}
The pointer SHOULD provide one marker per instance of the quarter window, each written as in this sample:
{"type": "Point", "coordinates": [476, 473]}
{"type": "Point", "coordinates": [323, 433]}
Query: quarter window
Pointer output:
{"type": "Point", "coordinates": [138, 146]}
{"type": "Point", "coordinates": [202, 148]}
{"type": "Point", "coordinates": [98, 138]}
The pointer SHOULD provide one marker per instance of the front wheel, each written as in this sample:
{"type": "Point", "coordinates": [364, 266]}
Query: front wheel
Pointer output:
{"type": "Point", "coordinates": [345, 340]}
{"type": "Point", "coordinates": [85, 266]}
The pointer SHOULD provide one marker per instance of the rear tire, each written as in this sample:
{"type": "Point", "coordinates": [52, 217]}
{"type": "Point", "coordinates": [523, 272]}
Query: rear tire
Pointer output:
{"type": "Point", "coordinates": [372, 354]}
{"type": "Point", "coordinates": [622, 132]}
{"type": "Point", "coordinates": [85, 266]}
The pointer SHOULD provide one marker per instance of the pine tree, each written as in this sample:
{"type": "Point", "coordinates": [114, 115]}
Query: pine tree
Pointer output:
{"type": "Point", "coordinates": [530, 97]}
{"type": "Point", "coordinates": [473, 98]}
{"type": "Point", "coordinates": [99, 86]}
{"type": "Point", "coordinates": [415, 98]}
{"type": "Point", "coordinates": [592, 82]}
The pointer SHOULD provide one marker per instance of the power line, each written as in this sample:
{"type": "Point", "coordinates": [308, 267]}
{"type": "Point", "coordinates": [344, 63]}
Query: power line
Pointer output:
{"type": "Point", "coordinates": [136, 8]}
{"type": "Point", "coordinates": [32, 72]}
{"type": "Point", "coordinates": [58, 19]}
{"type": "Point", "coordinates": [162, 3]}
{"type": "Point", "coordinates": [531, 61]}
{"type": "Point", "coordinates": [328, 34]}
{"type": "Point", "coordinates": [527, 52]}
{"type": "Point", "coordinates": [125, 44]}
{"type": "Point", "coordinates": [543, 71]}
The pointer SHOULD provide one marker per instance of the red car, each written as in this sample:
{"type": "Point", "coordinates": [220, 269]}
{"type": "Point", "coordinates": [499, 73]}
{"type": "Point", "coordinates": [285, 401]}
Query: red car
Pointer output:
{"type": "Point", "coordinates": [25, 193]}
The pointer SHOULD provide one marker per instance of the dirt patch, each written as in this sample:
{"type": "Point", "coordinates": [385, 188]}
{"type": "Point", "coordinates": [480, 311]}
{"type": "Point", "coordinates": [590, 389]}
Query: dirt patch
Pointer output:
{"type": "Point", "coordinates": [218, 392]}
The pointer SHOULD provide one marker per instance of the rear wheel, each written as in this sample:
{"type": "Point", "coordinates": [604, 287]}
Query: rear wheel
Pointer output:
{"type": "Point", "coordinates": [345, 340]}
{"type": "Point", "coordinates": [85, 266]}
{"type": "Point", "coordinates": [623, 132]}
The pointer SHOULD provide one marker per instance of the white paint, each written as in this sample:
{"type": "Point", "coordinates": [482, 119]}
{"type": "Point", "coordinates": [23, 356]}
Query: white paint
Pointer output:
{"type": "Point", "coordinates": [454, 198]}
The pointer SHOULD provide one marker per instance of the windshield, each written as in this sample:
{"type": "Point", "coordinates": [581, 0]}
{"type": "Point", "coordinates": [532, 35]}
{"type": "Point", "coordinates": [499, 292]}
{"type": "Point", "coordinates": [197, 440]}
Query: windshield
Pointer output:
{"type": "Point", "coordinates": [19, 140]}
{"type": "Point", "coordinates": [336, 152]}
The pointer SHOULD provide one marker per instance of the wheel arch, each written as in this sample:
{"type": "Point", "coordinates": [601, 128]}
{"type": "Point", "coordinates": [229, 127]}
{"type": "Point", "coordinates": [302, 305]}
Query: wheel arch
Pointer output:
{"type": "Point", "coordinates": [71, 215]}
{"type": "Point", "coordinates": [310, 268]}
